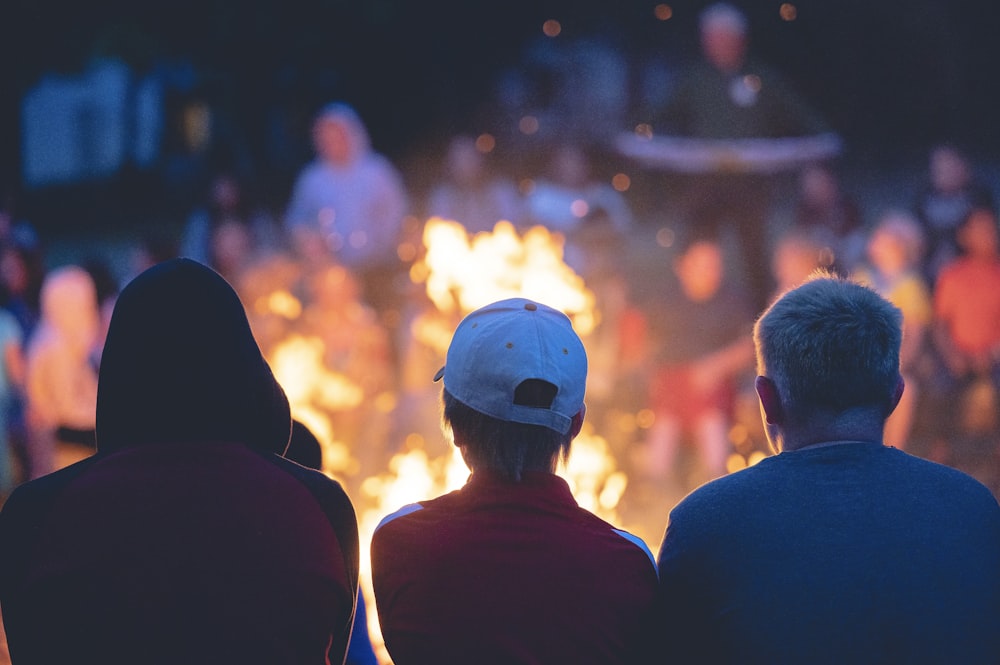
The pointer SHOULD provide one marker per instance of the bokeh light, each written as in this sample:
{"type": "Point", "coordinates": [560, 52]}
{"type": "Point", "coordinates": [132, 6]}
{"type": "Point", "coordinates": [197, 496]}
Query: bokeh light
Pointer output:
{"type": "Point", "coordinates": [665, 237]}
{"type": "Point", "coordinates": [485, 143]}
{"type": "Point", "coordinates": [528, 125]}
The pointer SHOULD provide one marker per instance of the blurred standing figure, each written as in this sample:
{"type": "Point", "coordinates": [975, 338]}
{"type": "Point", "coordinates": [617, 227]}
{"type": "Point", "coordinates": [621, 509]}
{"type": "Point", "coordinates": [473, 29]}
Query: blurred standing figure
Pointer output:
{"type": "Point", "coordinates": [797, 255]}
{"type": "Point", "coordinates": [470, 193]}
{"type": "Point", "coordinates": [830, 217]}
{"type": "Point", "coordinates": [11, 390]}
{"type": "Point", "coordinates": [226, 229]}
{"type": "Point", "coordinates": [967, 323]}
{"type": "Point", "coordinates": [21, 275]}
{"type": "Point", "coordinates": [702, 325]}
{"type": "Point", "coordinates": [728, 95]}
{"type": "Point", "coordinates": [893, 270]}
{"type": "Point", "coordinates": [349, 204]}
{"type": "Point", "coordinates": [571, 200]}
{"type": "Point", "coordinates": [568, 191]}
{"type": "Point", "coordinates": [618, 349]}
{"type": "Point", "coordinates": [186, 538]}
{"type": "Point", "coordinates": [945, 200]}
{"type": "Point", "coordinates": [61, 376]}
{"type": "Point", "coordinates": [837, 549]}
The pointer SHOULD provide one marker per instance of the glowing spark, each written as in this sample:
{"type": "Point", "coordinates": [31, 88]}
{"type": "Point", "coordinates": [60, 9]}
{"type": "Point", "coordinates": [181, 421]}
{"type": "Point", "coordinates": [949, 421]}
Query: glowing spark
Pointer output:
{"type": "Point", "coordinates": [663, 12]}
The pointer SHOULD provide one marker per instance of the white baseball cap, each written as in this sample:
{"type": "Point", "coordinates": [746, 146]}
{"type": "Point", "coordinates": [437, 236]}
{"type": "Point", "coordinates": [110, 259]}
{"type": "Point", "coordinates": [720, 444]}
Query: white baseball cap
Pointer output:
{"type": "Point", "coordinates": [498, 347]}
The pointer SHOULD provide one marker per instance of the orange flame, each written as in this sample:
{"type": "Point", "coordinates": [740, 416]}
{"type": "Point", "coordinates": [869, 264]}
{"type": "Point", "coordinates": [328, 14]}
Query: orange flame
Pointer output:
{"type": "Point", "coordinates": [467, 273]}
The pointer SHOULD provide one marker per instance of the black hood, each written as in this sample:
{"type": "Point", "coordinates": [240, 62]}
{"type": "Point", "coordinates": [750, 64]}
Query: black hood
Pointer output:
{"type": "Point", "coordinates": [180, 364]}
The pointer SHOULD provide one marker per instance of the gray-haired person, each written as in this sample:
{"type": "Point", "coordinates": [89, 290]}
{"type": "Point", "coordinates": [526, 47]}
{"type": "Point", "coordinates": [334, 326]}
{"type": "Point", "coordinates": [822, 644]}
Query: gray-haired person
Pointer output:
{"type": "Point", "coordinates": [838, 549]}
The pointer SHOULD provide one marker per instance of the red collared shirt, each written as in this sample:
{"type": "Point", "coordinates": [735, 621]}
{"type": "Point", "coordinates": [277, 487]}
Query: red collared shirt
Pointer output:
{"type": "Point", "coordinates": [500, 572]}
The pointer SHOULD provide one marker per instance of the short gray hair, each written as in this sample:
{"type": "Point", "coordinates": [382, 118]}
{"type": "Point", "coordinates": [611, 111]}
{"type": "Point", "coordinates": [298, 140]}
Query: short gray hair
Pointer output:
{"type": "Point", "coordinates": [830, 344]}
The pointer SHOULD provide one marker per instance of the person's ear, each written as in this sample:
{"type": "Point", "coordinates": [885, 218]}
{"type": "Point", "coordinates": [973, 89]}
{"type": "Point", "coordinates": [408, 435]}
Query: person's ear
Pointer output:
{"type": "Point", "coordinates": [577, 423]}
{"type": "Point", "coordinates": [770, 400]}
{"type": "Point", "coordinates": [897, 394]}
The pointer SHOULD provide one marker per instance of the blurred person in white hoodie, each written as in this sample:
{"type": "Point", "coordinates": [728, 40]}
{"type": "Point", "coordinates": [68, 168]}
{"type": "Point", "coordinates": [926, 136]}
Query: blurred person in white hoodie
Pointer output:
{"type": "Point", "coordinates": [347, 205]}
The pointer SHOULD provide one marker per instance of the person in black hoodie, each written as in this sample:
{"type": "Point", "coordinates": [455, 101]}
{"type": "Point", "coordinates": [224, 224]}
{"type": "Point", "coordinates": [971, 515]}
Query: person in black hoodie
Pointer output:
{"type": "Point", "coordinates": [187, 537]}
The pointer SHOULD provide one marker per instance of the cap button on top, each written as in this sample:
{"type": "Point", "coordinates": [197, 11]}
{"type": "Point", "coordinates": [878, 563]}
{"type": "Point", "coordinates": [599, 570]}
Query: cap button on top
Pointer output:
{"type": "Point", "coordinates": [530, 306]}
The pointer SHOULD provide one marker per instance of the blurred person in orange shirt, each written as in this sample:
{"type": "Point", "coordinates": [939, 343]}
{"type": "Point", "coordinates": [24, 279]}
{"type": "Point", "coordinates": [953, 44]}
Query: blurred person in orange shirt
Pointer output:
{"type": "Point", "coordinates": [967, 316]}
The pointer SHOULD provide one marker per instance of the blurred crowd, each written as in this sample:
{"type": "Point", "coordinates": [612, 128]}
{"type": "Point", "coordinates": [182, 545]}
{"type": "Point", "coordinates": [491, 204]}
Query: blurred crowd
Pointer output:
{"type": "Point", "coordinates": [328, 288]}
{"type": "Point", "coordinates": [679, 265]}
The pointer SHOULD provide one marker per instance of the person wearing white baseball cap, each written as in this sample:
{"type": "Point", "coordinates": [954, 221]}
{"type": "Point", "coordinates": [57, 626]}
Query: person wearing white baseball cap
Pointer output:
{"type": "Point", "coordinates": [509, 569]}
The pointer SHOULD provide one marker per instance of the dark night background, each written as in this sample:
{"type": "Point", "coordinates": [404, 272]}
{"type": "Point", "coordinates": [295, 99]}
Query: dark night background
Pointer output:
{"type": "Point", "coordinates": [890, 76]}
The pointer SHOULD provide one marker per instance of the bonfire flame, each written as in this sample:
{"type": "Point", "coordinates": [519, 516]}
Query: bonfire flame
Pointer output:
{"type": "Point", "coordinates": [467, 273]}
{"type": "Point", "coordinates": [313, 393]}
{"type": "Point", "coordinates": [592, 475]}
